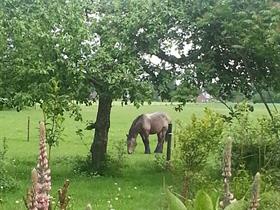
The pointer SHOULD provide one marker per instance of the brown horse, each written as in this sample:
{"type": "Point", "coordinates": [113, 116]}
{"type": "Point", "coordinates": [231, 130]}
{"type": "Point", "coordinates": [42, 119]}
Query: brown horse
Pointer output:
{"type": "Point", "coordinates": [146, 124]}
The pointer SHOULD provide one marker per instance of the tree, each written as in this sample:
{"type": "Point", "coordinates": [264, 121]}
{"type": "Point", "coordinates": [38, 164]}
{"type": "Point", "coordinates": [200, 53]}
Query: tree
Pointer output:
{"type": "Point", "coordinates": [120, 65]}
{"type": "Point", "coordinates": [226, 46]}
{"type": "Point", "coordinates": [235, 47]}
{"type": "Point", "coordinates": [42, 57]}
{"type": "Point", "coordinates": [58, 52]}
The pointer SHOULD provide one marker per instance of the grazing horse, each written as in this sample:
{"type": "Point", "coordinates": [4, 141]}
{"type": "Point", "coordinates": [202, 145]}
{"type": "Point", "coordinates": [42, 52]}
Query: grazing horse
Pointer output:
{"type": "Point", "coordinates": [146, 124]}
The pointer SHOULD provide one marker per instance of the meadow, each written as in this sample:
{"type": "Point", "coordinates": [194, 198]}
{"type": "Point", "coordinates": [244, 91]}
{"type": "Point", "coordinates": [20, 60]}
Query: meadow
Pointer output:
{"type": "Point", "coordinates": [138, 187]}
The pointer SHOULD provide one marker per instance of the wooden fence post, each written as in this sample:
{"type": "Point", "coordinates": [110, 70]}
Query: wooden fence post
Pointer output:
{"type": "Point", "coordinates": [168, 139]}
{"type": "Point", "coordinates": [28, 127]}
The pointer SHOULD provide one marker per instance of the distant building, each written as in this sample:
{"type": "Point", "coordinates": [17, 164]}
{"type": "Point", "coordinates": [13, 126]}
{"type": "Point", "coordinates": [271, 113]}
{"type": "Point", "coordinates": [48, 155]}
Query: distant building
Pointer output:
{"type": "Point", "coordinates": [203, 97]}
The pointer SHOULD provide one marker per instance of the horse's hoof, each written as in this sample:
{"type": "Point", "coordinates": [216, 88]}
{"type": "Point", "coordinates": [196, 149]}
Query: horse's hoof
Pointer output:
{"type": "Point", "coordinates": [147, 152]}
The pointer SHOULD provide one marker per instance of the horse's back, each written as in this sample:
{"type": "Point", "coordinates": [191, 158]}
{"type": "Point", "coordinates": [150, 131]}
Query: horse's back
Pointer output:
{"type": "Point", "coordinates": [156, 121]}
{"type": "Point", "coordinates": [158, 116]}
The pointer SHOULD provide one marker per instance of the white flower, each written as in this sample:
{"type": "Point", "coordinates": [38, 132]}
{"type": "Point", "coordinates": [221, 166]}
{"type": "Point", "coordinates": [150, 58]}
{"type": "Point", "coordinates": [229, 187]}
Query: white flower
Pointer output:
{"type": "Point", "coordinates": [119, 189]}
{"type": "Point", "coordinates": [116, 198]}
{"type": "Point", "coordinates": [17, 201]}
{"type": "Point", "coordinates": [135, 188]}
{"type": "Point", "coordinates": [116, 183]}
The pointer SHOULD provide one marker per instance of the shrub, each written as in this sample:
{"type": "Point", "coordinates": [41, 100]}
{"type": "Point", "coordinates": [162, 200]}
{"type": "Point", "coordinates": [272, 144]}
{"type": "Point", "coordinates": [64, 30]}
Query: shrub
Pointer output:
{"type": "Point", "coordinates": [196, 142]}
{"type": "Point", "coordinates": [199, 139]}
{"type": "Point", "coordinates": [256, 145]}
{"type": "Point", "coordinates": [6, 181]}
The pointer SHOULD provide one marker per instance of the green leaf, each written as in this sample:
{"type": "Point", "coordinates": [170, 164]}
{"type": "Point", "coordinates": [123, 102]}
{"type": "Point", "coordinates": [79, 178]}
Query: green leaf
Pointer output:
{"type": "Point", "coordinates": [237, 205]}
{"type": "Point", "coordinates": [215, 197]}
{"type": "Point", "coordinates": [174, 203]}
{"type": "Point", "coordinates": [203, 201]}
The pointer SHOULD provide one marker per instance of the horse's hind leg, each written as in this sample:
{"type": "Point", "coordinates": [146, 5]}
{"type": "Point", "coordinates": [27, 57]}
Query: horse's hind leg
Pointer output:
{"type": "Point", "coordinates": [161, 137]}
{"type": "Point", "coordinates": [145, 139]}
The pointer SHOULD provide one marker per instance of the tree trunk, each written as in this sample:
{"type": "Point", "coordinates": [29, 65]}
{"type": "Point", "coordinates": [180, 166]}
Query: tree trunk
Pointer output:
{"type": "Point", "coordinates": [102, 125]}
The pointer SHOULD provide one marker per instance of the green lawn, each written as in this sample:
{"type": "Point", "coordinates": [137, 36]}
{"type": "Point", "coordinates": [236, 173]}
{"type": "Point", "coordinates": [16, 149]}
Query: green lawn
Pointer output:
{"type": "Point", "coordinates": [139, 186]}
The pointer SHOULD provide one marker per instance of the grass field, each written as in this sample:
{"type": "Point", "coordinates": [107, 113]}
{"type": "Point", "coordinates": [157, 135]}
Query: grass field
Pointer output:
{"type": "Point", "coordinates": [139, 186]}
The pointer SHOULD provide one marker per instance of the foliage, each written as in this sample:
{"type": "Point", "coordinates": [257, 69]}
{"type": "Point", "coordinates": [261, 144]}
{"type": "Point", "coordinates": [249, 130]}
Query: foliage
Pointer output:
{"type": "Point", "coordinates": [43, 59]}
{"type": "Point", "coordinates": [238, 205]}
{"type": "Point", "coordinates": [240, 184]}
{"type": "Point", "coordinates": [199, 139]}
{"type": "Point", "coordinates": [202, 201]}
{"type": "Point", "coordinates": [114, 165]}
{"type": "Point", "coordinates": [270, 200]}
{"type": "Point", "coordinates": [84, 47]}
{"type": "Point", "coordinates": [53, 111]}
{"type": "Point", "coordinates": [174, 202]}
{"type": "Point", "coordinates": [7, 182]}
{"type": "Point", "coordinates": [160, 161]}
{"type": "Point", "coordinates": [50, 48]}
{"type": "Point", "coordinates": [255, 144]}
{"type": "Point", "coordinates": [229, 38]}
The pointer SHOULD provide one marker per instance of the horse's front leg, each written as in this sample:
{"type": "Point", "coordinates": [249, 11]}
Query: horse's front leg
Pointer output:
{"type": "Point", "coordinates": [145, 139]}
{"type": "Point", "coordinates": [161, 137]}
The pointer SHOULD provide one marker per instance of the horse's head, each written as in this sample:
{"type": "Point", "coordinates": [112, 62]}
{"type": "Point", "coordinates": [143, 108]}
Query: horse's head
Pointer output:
{"type": "Point", "coordinates": [131, 144]}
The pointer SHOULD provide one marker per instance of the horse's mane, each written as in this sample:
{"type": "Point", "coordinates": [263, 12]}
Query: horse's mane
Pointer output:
{"type": "Point", "coordinates": [132, 127]}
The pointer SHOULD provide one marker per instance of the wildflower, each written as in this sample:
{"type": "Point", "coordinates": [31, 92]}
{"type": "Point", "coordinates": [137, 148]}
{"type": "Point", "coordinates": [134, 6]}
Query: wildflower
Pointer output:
{"type": "Point", "coordinates": [62, 195]}
{"type": "Point", "coordinates": [255, 192]}
{"type": "Point", "coordinates": [17, 202]}
{"type": "Point", "coordinates": [119, 189]}
{"type": "Point", "coordinates": [228, 196]}
{"type": "Point", "coordinates": [135, 188]}
{"type": "Point", "coordinates": [116, 198]}
{"type": "Point", "coordinates": [38, 195]}
{"type": "Point", "coordinates": [116, 183]}
{"type": "Point", "coordinates": [44, 179]}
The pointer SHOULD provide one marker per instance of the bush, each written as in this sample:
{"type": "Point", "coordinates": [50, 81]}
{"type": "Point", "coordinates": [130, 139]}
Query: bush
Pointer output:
{"type": "Point", "coordinates": [6, 181]}
{"type": "Point", "coordinates": [256, 145]}
{"type": "Point", "coordinates": [199, 139]}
